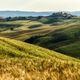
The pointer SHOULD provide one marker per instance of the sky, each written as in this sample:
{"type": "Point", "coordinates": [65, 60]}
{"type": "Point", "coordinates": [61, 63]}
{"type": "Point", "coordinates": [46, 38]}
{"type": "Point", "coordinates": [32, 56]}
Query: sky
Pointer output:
{"type": "Point", "coordinates": [40, 5]}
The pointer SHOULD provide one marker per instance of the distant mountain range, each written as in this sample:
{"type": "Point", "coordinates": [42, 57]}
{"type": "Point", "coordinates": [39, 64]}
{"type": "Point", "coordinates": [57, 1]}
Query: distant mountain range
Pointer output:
{"type": "Point", "coordinates": [23, 13]}
{"type": "Point", "coordinates": [26, 13]}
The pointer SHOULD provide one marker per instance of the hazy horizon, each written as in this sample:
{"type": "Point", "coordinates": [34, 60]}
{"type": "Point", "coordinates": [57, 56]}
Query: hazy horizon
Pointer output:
{"type": "Point", "coordinates": [40, 5]}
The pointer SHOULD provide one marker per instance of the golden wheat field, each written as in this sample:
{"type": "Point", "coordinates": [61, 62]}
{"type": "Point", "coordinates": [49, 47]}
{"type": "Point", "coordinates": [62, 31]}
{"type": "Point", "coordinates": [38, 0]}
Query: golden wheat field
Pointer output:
{"type": "Point", "coordinates": [23, 61]}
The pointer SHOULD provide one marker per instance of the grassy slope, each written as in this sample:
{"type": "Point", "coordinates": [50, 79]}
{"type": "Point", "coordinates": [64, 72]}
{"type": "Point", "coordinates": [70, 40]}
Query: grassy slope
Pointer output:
{"type": "Point", "coordinates": [74, 45]}
{"type": "Point", "coordinates": [25, 61]}
{"type": "Point", "coordinates": [69, 28]}
{"type": "Point", "coordinates": [71, 49]}
{"type": "Point", "coordinates": [23, 32]}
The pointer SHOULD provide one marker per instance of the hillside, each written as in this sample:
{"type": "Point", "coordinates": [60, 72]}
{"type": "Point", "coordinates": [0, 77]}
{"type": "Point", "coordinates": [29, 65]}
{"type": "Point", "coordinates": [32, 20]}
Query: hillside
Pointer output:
{"type": "Point", "coordinates": [54, 36]}
{"type": "Point", "coordinates": [23, 61]}
{"type": "Point", "coordinates": [65, 35]}
{"type": "Point", "coordinates": [26, 28]}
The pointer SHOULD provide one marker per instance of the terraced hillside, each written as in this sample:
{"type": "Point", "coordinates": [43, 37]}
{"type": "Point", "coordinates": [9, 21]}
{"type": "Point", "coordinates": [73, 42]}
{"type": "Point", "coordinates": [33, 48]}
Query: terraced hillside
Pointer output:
{"type": "Point", "coordinates": [30, 28]}
{"type": "Point", "coordinates": [62, 36]}
{"type": "Point", "coordinates": [64, 39]}
{"type": "Point", "coordinates": [23, 61]}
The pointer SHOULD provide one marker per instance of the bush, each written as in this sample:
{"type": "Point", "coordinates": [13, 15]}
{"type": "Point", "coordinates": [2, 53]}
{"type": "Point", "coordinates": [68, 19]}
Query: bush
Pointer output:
{"type": "Point", "coordinates": [11, 29]}
{"type": "Point", "coordinates": [33, 39]}
{"type": "Point", "coordinates": [35, 26]}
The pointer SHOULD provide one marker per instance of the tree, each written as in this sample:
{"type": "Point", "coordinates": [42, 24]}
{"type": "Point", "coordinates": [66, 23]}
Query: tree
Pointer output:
{"type": "Point", "coordinates": [11, 28]}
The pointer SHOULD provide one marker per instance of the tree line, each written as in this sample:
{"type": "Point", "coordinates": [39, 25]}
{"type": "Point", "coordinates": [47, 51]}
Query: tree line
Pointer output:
{"type": "Point", "coordinates": [58, 16]}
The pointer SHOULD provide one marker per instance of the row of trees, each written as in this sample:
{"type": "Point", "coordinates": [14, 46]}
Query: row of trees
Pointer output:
{"type": "Point", "coordinates": [56, 17]}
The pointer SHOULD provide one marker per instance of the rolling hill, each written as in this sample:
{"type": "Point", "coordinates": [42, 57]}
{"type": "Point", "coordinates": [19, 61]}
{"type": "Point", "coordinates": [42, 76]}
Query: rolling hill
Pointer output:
{"type": "Point", "coordinates": [62, 38]}
{"type": "Point", "coordinates": [56, 37]}
{"type": "Point", "coordinates": [24, 61]}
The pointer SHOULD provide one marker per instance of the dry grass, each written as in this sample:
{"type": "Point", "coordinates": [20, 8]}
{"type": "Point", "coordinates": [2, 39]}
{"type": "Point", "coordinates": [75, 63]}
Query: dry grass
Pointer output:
{"type": "Point", "coordinates": [28, 69]}
{"type": "Point", "coordinates": [23, 61]}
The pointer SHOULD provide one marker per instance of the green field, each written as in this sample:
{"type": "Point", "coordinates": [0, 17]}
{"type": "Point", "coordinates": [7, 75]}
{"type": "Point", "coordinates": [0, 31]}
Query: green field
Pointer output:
{"type": "Point", "coordinates": [25, 31]}
{"type": "Point", "coordinates": [51, 36]}
{"type": "Point", "coordinates": [65, 34]}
